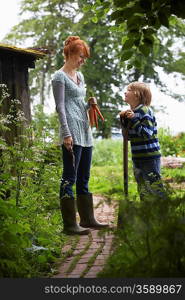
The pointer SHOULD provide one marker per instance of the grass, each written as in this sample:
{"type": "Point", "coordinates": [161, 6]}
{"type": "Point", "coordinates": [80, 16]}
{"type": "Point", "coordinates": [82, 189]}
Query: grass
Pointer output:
{"type": "Point", "coordinates": [174, 175]}
{"type": "Point", "coordinates": [107, 170]}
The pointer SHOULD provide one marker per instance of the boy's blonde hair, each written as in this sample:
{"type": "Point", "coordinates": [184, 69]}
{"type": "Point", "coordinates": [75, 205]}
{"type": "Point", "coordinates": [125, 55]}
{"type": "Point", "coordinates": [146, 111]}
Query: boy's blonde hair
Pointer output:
{"type": "Point", "coordinates": [142, 91]}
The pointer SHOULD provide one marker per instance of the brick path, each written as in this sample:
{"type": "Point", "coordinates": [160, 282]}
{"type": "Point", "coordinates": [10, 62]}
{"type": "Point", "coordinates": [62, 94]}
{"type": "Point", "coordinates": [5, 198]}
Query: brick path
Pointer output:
{"type": "Point", "coordinates": [87, 258]}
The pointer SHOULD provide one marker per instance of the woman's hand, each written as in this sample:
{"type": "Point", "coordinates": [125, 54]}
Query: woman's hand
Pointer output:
{"type": "Point", "coordinates": [92, 100]}
{"type": "Point", "coordinates": [68, 143]}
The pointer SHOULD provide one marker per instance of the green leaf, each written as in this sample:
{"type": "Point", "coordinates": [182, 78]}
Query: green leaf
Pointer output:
{"type": "Point", "coordinates": [137, 42]}
{"type": "Point", "coordinates": [173, 20]}
{"type": "Point", "coordinates": [42, 259]}
{"type": "Point", "coordinates": [148, 40]}
{"type": "Point", "coordinates": [94, 19]}
{"type": "Point", "coordinates": [136, 22]}
{"type": "Point", "coordinates": [133, 34]}
{"type": "Point", "coordinates": [144, 49]}
{"type": "Point", "coordinates": [116, 14]}
{"type": "Point", "coordinates": [86, 8]}
{"type": "Point", "coordinates": [149, 31]}
{"type": "Point", "coordinates": [106, 4]}
{"type": "Point", "coordinates": [128, 44]}
{"type": "Point", "coordinates": [137, 63]}
{"type": "Point", "coordinates": [100, 14]}
{"type": "Point", "coordinates": [121, 3]}
{"type": "Point", "coordinates": [129, 66]}
{"type": "Point", "coordinates": [126, 55]}
{"type": "Point", "coordinates": [123, 40]}
{"type": "Point", "coordinates": [125, 14]}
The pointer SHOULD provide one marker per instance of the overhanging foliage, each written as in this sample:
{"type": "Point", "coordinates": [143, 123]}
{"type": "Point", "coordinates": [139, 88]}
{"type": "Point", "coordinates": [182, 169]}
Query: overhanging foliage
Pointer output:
{"type": "Point", "coordinates": [141, 19]}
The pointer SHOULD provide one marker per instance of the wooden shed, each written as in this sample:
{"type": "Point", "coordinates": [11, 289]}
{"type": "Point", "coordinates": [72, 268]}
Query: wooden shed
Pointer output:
{"type": "Point", "coordinates": [14, 65]}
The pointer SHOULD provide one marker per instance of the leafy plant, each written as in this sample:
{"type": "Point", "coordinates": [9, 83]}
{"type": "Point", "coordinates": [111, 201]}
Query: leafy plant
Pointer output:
{"type": "Point", "coordinates": [31, 225]}
{"type": "Point", "coordinates": [151, 243]}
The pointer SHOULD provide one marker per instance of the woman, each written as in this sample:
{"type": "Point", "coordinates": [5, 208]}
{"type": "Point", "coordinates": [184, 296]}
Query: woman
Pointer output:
{"type": "Point", "coordinates": [76, 138]}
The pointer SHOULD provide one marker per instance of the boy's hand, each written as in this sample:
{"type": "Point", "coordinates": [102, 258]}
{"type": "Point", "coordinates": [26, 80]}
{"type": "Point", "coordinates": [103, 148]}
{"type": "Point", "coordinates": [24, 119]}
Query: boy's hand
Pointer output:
{"type": "Point", "coordinates": [122, 114]}
{"type": "Point", "coordinates": [129, 114]}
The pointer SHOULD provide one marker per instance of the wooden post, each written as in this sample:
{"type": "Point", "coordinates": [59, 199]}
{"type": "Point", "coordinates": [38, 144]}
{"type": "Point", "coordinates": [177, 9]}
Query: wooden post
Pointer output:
{"type": "Point", "coordinates": [125, 163]}
{"type": "Point", "coordinates": [125, 128]}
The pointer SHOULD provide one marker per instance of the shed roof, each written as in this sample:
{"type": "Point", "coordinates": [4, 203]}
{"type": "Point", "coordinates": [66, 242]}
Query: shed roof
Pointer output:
{"type": "Point", "coordinates": [34, 53]}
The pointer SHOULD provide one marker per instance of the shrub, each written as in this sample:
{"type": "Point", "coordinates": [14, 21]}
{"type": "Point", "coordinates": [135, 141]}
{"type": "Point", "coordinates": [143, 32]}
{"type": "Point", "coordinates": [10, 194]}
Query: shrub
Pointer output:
{"type": "Point", "coordinates": [152, 241]}
{"type": "Point", "coordinates": [170, 145]}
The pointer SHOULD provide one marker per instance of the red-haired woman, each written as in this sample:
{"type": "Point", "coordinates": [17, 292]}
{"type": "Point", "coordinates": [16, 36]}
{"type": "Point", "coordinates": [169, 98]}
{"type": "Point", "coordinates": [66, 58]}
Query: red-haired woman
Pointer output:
{"type": "Point", "coordinates": [76, 138]}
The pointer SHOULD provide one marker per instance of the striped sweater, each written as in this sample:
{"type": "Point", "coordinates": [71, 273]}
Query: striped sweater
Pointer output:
{"type": "Point", "coordinates": [143, 134]}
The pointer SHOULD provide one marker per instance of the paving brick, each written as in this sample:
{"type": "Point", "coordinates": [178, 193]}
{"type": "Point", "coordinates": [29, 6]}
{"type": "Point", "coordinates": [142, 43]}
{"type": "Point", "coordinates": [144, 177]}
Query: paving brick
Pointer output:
{"type": "Point", "coordinates": [94, 233]}
{"type": "Point", "coordinates": [90, 275]}
{"type": "Point", "coordinates": [101, 256]}
{"type": "Point", "coordinates": [81, 246]}
{"type": "Point", "coordinates": [106, 252]}
{"type": "Point", "coordinates": [73, 276]}
{"type": "Point", "coordinates": [84, 238]}
{"type": "Point", "coordinates": [76, 252]}
{"type": "Point", "coordinates": [94, 270]}
{"type": "Point", "coordinates": [99, 262]}
{"type": "Point", "coordinates": [95, 245]}
{"type": "Point", "coordinates": [89, 254]}
{"type": "Point", "coordinates": [66, 248]}
{"type": "Point", "coordinates": [79, 268]}
{"type": "Point", "coordinates": [84, 260]}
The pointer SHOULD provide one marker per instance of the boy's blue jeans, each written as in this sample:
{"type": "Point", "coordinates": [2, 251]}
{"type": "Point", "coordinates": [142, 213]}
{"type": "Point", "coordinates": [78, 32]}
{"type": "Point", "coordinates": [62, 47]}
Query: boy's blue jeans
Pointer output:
{"type": "Point", "coordinates": [75, 171]}
{"type": "Point", "coordinates": [147, 175]}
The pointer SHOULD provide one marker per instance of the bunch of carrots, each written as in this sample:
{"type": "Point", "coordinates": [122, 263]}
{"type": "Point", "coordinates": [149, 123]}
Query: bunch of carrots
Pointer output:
{"type": "Point", "coordinates": [94, 112]}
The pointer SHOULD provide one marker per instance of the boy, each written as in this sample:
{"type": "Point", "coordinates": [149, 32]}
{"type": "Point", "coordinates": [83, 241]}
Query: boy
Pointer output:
{"type": "Point", "coordinates": [142, 133]}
